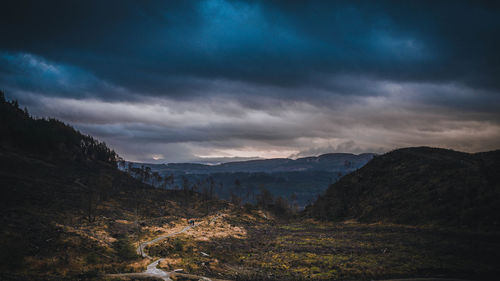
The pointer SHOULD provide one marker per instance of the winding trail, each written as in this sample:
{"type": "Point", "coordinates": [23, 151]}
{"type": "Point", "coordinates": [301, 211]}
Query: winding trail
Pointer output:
{"type": "Point", "coordinates": [152, 270]}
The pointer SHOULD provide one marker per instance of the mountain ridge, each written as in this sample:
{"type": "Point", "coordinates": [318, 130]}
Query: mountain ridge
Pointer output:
{"type": "Point", "coordinates": [302, 179]}
{"type": "Point", "coordinates": [269, 165]}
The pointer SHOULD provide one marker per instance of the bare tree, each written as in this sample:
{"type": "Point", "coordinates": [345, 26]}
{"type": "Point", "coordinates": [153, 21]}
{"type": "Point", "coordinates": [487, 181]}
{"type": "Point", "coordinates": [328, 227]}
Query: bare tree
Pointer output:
{"type": "Point", "coordinates": [293, 201]}
{"type": "Point", "coordinates": [265, 198]}
{"type": "Point", "coordinates": [156, 179]}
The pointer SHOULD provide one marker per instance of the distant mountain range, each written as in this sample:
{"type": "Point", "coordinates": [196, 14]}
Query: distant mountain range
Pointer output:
{"type": "Point", "coordinates": [331, 162]}
{"type": "Point", "coordinates": [305, 178]}
{"type": "Point", "coordinates": [419, 185]}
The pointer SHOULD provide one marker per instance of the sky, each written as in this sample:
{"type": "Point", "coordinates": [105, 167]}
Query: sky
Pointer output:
{"type": "Point", "coordinates": [215, 80]}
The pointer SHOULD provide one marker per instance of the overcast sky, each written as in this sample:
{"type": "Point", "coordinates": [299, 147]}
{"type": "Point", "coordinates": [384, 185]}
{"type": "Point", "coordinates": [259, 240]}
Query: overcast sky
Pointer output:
{"type": "Point", "coordinates": [176, 81]}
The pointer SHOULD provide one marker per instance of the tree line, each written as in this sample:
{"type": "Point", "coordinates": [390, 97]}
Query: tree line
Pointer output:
{"type": "Point", "coordinates": [209, 190]}
{"type": "Point", "coordinates": [48, 136]}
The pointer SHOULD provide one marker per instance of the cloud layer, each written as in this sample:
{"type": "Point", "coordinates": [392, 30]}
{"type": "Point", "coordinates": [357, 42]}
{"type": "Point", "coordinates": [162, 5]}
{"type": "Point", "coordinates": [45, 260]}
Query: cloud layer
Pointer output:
{"type": "Point", "coordinates": [196, 80]}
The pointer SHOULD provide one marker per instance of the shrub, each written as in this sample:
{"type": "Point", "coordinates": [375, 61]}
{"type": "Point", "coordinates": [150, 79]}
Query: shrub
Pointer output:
{"type": "Point", "coordinates": [124, 248]}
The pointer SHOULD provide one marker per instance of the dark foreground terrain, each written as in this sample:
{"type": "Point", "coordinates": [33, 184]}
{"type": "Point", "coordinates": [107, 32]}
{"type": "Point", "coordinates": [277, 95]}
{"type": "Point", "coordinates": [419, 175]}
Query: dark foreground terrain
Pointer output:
{"type": "Point", "coordinates": [252, 246]}
{"type": "Point", "coordinates": [68, 213]}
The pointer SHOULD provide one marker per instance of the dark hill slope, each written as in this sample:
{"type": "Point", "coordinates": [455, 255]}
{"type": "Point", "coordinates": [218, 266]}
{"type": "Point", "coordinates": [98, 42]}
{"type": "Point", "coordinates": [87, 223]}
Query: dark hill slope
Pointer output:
{"type": "Point", "coordinates": [60, 191]}
{"type": "Point", "coordinates": [419, 186]}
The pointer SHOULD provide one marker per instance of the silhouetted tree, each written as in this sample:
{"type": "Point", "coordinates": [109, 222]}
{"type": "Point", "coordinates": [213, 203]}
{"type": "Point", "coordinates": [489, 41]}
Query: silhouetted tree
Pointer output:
{"type": "Point", "coordinates": [147, 174]}
{"type": "Point", "coordinates": [168, 181]}
{"type": "Point", "coordinates": [293, 201]}
{"type": "Point", "coordinates": [281, 206]}
{"type": "Point", "coordinates": [157, 178]}
{"type": "Point", "coordinates": [265, 198]}
{"type": "Point", "coordinates": [235, 199]}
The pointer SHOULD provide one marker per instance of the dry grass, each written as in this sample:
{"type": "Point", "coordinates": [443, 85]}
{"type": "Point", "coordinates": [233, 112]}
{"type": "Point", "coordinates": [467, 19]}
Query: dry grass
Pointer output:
{"type": "Point", "coordinates": [249, 246]}
{"type": "Point", "coordinates": [219, 228]}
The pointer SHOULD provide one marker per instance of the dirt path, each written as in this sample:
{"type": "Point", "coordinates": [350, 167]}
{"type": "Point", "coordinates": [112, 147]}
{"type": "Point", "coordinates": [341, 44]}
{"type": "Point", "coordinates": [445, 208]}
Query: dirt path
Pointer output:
{"type": "Point", "coordinates": [152, 270]}
{"type": "Point", "coordinates": [140, 249]}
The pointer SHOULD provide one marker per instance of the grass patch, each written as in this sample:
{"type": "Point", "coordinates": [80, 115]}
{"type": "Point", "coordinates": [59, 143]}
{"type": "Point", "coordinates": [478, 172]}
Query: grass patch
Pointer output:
{"type": "Point", "coordinates": [344, 251]}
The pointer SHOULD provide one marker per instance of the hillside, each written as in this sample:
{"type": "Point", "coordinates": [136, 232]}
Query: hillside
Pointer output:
{"type": "Point", "coordinates": [68, 213]}
{"type": "Point", "coordinates": [418, 186]}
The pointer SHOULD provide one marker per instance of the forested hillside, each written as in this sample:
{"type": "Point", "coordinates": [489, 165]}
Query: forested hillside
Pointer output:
{"type": "Point", "coordinates": [419, 186]}
{"type": "Point", "coordinates": [67, 211]}
{"type": "Point", "coordinates": [49, 138]}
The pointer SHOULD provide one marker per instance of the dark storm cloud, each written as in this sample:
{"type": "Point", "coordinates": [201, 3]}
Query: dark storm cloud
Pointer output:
{"type": "Point", "coordinates": [218, 78]}
{"type": "Point", "coordinates": [142, 45]}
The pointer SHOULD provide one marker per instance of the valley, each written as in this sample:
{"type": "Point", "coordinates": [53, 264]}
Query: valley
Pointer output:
{"type": "Point", "coordinates": [299, 180]}
{"type": "Point", "coordinates": [69, 213]}
{"type": "Point", "coordinates": [249, 140]}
